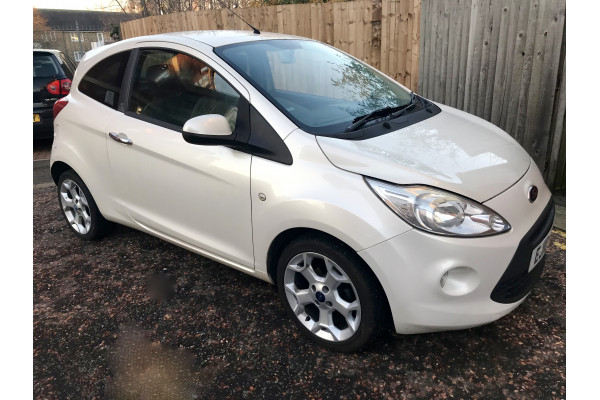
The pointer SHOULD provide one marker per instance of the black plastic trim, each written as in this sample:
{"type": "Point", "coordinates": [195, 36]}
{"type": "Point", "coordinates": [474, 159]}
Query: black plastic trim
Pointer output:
{"type": "Point", "coordinates": [517, 282]}
{"type": "Point", "coordinates": [126, 82]}
{"type": "Point", "coordinates": [255, 136]}
{"type": "Point", "coordinates": [265, 142]}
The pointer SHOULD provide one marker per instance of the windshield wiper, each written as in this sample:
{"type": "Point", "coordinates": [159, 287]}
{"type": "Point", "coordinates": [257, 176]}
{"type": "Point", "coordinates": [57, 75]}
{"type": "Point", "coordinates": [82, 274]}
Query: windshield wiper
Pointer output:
{"type": "Point", "coordinates": [404, 109]}
{"type": "Point", "coordinates": [360, 121]}
{"type": "Point", "coordinates": [383, 112]}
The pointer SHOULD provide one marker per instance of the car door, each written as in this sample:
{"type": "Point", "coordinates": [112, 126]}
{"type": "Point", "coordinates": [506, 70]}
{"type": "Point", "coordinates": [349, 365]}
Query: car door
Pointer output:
{"type": "Point", "coordinates": [195, 194]}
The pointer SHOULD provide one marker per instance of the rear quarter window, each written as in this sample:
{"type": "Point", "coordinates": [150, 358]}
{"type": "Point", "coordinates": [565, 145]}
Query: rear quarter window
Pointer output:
{"type": "Point", "coordinates": [103, 81]}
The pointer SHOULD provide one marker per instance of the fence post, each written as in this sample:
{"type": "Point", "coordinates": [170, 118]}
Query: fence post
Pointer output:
{"type": "Point", "coordinates": [376, 34]}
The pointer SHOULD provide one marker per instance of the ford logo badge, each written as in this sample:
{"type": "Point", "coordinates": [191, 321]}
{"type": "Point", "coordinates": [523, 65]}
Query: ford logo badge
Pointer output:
{"type": "Point", "coordinates": [532, 194]}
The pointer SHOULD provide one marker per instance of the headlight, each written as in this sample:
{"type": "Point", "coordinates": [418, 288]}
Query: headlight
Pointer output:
{"type": "Point", "coordinates": [437, 211]}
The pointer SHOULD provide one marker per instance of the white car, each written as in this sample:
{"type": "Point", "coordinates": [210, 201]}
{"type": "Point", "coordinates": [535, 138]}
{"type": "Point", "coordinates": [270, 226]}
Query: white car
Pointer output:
{"type": "Point", "coordinates": [367, 205]}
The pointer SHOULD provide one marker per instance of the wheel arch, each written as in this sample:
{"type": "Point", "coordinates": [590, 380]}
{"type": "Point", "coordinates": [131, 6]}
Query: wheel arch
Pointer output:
{"type": "Point", "coordinates": [278, 245]}
{"type": "Point", "coordinates": [57, 169]}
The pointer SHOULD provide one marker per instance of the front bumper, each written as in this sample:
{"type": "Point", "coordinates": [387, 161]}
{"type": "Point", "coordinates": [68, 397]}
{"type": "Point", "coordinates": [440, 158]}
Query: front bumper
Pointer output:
{"type": "Point", "coordinates": [412, 266]}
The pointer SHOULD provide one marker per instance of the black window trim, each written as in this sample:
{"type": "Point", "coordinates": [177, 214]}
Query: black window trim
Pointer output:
{"type": "Point", "coordinates": [126, 81]}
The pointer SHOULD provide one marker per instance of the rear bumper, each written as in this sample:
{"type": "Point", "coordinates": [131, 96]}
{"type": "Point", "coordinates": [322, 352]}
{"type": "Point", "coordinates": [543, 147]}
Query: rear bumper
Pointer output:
{"type": "Point", "coordinates": [412, 266]}
{"type": "Point", "coordinates": [43, 129]}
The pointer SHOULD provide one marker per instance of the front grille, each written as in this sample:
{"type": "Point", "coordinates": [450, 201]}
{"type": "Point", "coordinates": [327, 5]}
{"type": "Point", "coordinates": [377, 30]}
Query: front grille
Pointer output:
{"type": "Point", "coordinates": [516, 281]}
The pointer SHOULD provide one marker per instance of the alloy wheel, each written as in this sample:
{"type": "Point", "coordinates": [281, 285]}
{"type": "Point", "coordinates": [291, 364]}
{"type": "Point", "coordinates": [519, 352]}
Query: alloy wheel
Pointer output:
{"type": "Point", "coordinates": [75, 206]}
{"type": "Point", "coordinates": [322, 296]}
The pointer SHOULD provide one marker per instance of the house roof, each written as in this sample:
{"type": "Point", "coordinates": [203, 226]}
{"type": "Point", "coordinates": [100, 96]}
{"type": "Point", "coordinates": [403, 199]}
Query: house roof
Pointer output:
{"type": "Point", "coordinates": [95, 21]}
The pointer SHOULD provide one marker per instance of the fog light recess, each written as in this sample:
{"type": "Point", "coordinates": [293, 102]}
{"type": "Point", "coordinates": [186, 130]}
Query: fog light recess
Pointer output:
{"type": "Point", "coordinates": [459, 281]}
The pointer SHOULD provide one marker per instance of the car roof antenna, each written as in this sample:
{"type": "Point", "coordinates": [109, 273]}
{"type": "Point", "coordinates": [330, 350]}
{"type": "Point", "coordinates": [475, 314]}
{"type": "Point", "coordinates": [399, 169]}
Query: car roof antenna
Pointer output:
{"type": "Point", "coordinates": [253, 28]}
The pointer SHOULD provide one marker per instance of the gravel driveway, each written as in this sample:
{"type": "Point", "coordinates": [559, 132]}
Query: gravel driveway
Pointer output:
{"type": "Point", "coordinates": [133, 317]}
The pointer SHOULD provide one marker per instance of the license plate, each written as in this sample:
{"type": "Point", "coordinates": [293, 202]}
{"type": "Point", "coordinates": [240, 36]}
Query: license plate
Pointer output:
{"type": "Point", "coordinates": [36, 118]}
{"type": "Point", "coordinates": [538, 252]}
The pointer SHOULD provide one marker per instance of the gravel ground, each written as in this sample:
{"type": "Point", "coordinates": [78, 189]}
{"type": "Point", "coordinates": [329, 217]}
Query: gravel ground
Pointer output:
{"type": "Point", "coordinates": [108, 325]}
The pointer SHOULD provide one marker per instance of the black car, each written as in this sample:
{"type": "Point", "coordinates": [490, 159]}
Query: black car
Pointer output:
{"type": "Point", "coordinates": [52, 75]}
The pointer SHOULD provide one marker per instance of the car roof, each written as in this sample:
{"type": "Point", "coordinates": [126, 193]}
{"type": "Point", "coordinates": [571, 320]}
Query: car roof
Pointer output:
{"type": "Point", "coordinates": [218, 38]}
{"type": "Point", "coordinates": [186, 38]}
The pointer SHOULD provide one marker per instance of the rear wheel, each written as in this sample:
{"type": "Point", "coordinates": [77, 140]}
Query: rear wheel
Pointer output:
{"type": "Point", "coordinates": [330, 293]}
{"type": "Point", "coordinates": [79, 208]}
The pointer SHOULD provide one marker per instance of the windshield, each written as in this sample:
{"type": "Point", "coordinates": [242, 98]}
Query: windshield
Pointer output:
{"type": "Point", "coordinates": [321, 89]}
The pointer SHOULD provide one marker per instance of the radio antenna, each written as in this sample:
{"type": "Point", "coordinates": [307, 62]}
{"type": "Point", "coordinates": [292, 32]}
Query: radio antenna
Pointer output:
{"type": "Point", "coordinates": [253, 28]}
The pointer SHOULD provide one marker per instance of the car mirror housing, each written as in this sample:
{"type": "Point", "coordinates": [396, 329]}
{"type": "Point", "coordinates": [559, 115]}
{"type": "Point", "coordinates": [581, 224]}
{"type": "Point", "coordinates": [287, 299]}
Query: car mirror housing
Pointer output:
{"type": "Point", "coordinates": [208, 130]}
{"type": "Point", "coordinates": [208, 125]}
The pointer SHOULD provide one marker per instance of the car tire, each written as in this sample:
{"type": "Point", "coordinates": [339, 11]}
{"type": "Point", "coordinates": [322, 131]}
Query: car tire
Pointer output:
{"type": "Point", "coordinates": [79, 208]}
{"type": "Point", "coordinates": [331, 294]}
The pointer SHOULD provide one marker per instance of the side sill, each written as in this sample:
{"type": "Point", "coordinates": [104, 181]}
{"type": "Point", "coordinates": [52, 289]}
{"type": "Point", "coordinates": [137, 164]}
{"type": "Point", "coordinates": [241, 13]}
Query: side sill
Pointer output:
{"type": "Point", "coordinates": [247, 270]}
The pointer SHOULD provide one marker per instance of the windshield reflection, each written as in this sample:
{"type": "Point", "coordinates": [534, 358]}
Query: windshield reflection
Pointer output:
{"type": "Point", "coordinates": [319, 88]}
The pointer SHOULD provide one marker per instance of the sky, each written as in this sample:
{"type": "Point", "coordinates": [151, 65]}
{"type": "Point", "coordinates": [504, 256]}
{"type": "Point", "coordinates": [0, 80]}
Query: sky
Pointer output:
{"type": "Point", "coordinates": [74, 4]}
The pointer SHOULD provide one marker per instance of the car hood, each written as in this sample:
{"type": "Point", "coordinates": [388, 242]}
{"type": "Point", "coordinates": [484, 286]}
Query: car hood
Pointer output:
{"type": "Point", "coordinates": [452, 150]}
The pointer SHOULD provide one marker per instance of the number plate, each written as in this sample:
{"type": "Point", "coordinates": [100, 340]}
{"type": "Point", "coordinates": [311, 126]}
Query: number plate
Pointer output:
{"type": "Point", "coordinates": [538, 252]}
{"type": "Point", "coordinates": [36, 118]}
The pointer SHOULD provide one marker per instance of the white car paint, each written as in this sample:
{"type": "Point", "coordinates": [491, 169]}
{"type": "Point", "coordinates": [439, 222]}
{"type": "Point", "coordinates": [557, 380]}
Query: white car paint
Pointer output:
{"type": "Point", "coordinates": [456, 152]}
{"type": "Point", "coordinates": [222, 216]}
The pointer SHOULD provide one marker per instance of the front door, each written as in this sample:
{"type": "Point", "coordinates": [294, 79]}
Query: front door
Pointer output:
{"type": "Point", "coordinates": [196, 194]}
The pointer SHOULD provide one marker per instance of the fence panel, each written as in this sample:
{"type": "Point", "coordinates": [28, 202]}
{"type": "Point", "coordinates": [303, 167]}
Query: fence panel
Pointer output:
{"type": "Point", "coordinates": [354, 27]}
{"type": "Point", "coordinates": [502, 60]}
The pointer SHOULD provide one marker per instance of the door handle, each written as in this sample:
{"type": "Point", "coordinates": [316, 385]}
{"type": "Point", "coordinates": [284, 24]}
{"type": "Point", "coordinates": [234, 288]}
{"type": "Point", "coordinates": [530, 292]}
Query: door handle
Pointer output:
{"type": "Point", "coordinates": [119, 139]}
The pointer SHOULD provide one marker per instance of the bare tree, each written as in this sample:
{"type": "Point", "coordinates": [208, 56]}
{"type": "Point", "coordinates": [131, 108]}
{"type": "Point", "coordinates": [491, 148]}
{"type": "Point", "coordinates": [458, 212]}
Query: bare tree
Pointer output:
{"type": "Point", "coordinates": [161, 7]}
{"type": "Point", "coordinates": [39, 22]}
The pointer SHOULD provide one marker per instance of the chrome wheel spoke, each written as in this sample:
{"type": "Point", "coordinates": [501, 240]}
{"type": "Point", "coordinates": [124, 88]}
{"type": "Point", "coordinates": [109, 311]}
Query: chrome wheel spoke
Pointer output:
{"type": "Point", "coordinates": [304, 297]}
{"type": "Point", "coordinates": [334, 275]}
{"type": "Point", "coordinates": [315, 327]}
{"type": "Point", "coordinates": [73, 192]}
{"type": "Point", "coordinates": [345, 308]}
{"type": "Point", "coordinates": [67, 203]}
{"type": "Point", "coordinates": [87, 220]}
{"type": "Point", "coordinates": [75, 224]}
{"type": "Point", "coordinates": [326, 324]}
{"type": "Point", "coordinates": [310, 275]}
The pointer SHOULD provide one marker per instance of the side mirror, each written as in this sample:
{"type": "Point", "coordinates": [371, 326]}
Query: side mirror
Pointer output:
{"type": "Point", "coordinates": [208, 125]}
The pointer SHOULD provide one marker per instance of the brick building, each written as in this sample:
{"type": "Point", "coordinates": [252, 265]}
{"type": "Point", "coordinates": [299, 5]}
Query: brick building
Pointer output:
{"type": "Point", "coordinates": [94, 30]}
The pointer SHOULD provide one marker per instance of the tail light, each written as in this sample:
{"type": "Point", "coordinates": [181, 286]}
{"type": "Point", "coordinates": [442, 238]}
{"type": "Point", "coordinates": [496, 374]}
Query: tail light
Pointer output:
{"type": "Point", "coordinates": [59, 87]}
{"type": "Point", "coordinates": [58, 106]}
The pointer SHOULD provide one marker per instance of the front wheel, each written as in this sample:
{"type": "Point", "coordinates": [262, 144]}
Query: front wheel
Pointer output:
{"type": "Point", "coordinates": [330, 293]}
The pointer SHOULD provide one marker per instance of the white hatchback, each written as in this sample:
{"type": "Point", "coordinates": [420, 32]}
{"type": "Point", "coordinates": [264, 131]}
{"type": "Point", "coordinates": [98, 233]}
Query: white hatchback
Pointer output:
{"type": "Point", "coordinates": [367, 205]}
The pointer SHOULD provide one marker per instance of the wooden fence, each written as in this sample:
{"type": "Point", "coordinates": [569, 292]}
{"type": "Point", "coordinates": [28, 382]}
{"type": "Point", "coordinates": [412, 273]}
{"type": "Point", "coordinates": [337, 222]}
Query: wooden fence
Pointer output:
{"type": "Point", "coordinates": [385, 34]}
{"type": "Point", "coordinates": [502, 60]}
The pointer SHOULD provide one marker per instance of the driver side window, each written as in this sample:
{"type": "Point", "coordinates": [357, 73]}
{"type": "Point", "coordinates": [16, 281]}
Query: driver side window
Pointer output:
{"type": "Point", "coordinates": [173, 87]}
